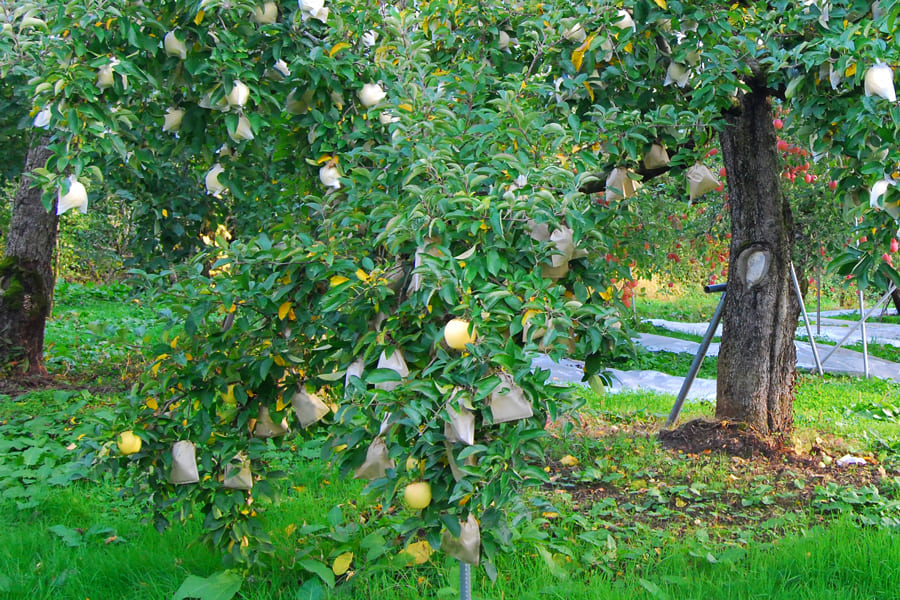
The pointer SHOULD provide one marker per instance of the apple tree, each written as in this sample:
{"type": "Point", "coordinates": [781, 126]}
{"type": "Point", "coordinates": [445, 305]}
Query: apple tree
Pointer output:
{"type": "Point", "coordinates": [364, 174]}
{"type": "Point", "coordinates": [691, 77]}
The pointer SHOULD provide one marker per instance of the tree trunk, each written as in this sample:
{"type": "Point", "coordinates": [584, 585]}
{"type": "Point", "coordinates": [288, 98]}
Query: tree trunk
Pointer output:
{"type": "Point", "coordinates": [895, 296]}
{"type": "Point", "coordinates": [757, 356]}
{"type": "Point", "coordinates": [26, 273]}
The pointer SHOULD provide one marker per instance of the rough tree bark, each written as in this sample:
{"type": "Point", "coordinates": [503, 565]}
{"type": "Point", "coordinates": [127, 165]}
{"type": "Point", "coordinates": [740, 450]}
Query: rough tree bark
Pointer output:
{"type": "Point", "coordinates": [26, 273]}
{"type": "Point", "coordinates": [757, 358]}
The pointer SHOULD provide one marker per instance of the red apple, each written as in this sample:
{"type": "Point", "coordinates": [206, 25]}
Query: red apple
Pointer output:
{"type": "Point", "coordinates": [777, 123]}
{"type": "Point", "coordinates": [782, 145]}
{"type": "Point", "coordinates": [832, 184]}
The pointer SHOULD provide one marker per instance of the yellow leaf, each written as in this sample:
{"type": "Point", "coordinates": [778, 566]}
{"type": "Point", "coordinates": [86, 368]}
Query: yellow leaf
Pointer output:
{"type": "Point", "coordinates": [165, 213]}
{"type": "Point", "coordinates": [362, 275]}
{"type": "Point", "coordinates": [420, 551]}
{"type": "Point", "coordinates": [337, 48]}
{"type": "Point", "coordinates": [850, 71]}
{"type": "Point", "coordinates": [578, 53]}
{"type": "Point", "coordinates": [568, 461]}
{"type": "Point", "coordinates": [199, 18]}
{"type": "Point", "coordinates": [406, 107]}
{"type": "Point", "coordinates": [280, 405]}
{"type": "Point", "coordinates": [680, 503]}
{"type": "Point", "coordinates": [279, 361]}
{"type": "Point", "coordinates": [338, 280]}
{"type": "Point", "coordinates": [342, 563]}
{"type": "Point", "coordinates": [155, 368]}
{"type": "Point", "coordinates": [590, 90]}
{"type": "Point", "coordinates": [629, 47]}
{"type": "Point", "coordinates": [151, 403]}
{"type": "Point", "coordinates": [228, 396]}
{"type": "Point", "coordinates": [174, 343]}
{"type": "Point", "coordinates": [290, 529]}
{"type": "Point", "coordinates": [528, 314]}
{"type": "Point", "coordinates": [661, 3]}
{"type": "Point", "coordinates": [283, 310]}
{"type": "Point", "coordinates": [325, 158]}
{"type": "Point", "coordinates": [607, 295]}
{"type": "Point", "coordinates": [550, 515]}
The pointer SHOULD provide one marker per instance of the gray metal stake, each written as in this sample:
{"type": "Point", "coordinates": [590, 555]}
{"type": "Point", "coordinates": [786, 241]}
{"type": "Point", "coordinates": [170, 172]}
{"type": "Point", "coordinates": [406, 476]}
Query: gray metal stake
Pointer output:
{"type": "Point", "coordinates": [465, 581]}
{"type": "Point", "coordinates": [862, 334]}
{"type": "Point", "coordinates": [855, 325]}
{"type": "Point", "coordinates": [698, 360]}
{"type": "Point", "coordinates": [812, 339]}
{"type": "Point", "coordinates": [818, 303]}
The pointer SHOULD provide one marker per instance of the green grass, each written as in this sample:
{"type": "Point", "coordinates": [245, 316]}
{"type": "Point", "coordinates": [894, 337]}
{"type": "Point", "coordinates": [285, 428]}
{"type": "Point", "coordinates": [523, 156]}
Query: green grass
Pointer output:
{"type": "Point", "coordinates": [705, 531]}
{"type": "Point", "coordinates": [628, 521]}
{"type": "Point", "coordinates": [97, 333]}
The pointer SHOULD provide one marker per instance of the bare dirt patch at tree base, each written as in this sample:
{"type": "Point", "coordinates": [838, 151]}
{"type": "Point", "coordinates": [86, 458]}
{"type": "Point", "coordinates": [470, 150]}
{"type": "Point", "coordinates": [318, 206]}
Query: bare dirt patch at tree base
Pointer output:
{"type": "Point", "coordinates": [706, 472]}
{"type": "Point", "coordinates": [735, 439]}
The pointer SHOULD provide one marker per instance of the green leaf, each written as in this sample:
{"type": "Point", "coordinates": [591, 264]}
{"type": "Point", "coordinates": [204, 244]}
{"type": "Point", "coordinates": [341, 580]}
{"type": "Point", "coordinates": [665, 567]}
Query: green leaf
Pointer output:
{"type": "Point", "coordinates": [311, 590]}
{"type": "Point", "coordinates": [70, 537]}
{"type": "Point", "coordinates": [654, 590]}
{"type": "Point", "coordinates": [218, 586]}
{"type": "Point", "coordinates": [554, 567]}
{"type": "Point", "coordinates": [322, 570]}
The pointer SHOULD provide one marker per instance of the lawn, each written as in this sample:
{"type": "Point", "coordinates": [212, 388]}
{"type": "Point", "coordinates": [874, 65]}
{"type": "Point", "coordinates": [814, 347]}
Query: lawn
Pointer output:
{"type": "Point", "coordinates": [626, 514]}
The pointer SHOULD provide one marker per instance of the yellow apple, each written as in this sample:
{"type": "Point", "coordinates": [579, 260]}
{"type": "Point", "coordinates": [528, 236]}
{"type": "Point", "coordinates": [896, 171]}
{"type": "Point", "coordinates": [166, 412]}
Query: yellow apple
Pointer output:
{"type": "Point", "coordinates": [456, 334]}
{"type": "Point", "coordinates": [128, 443]}
{"type": "Point", "coordinates": [417, 495]}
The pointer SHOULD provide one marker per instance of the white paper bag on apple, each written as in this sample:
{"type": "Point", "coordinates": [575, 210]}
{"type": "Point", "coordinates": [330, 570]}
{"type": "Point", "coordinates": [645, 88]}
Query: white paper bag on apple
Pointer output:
{"type": "Point", "coordinates": [466, 547]}
{"type": "Point", "coordinates": [267, 428]}
{"type": "Point", "coordinates": [700, 180]}
{"type": "Point", "coordinates": [308, 407]}
{"type": "Point", "coordinates": [656, 157]}
{"type": "Point", "coordinates": [377, 461]}
{"type": "Point", "coordinates": [184, 463]}
{"type": "Point", "coordinates": [238, 475]}
{"type": "Point", "coordinates": [460, 423]}
{"type": "Point", "coordinates": [394, 362]}
{"type": "Point", "coordinates": [508, 402]}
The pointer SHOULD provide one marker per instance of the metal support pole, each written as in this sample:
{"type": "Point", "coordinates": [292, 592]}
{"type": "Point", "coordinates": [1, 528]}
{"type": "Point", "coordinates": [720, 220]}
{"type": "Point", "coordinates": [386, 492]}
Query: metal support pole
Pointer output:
{"type": "Point", "coordinates": [818, 303]}
{"type": "Point", "coordinates": [862, 333]}
{"type": "Point", "coordinates": [855, 325]}
{"type": "Point", "coordinates": [465, 581]}
{"type": "Point", "coordinates": [701, 353]}
{"type": "Point", "coordinates": [812, 339]}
